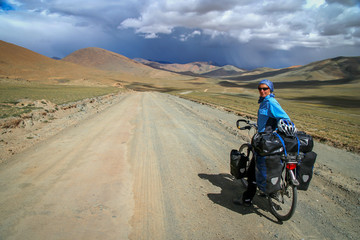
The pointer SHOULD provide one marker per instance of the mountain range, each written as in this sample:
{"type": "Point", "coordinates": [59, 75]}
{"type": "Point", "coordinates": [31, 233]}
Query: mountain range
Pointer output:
{"type": "Point", "coordinates": [96, 66]}
{"type": "Point", "coordinates": [193, 68]}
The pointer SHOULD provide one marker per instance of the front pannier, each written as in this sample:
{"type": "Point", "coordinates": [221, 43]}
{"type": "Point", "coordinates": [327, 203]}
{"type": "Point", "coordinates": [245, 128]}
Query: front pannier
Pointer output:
{"type": "Point", "coordinates": [268, 173]}
{"type": "Point", "coordinates": [304, 170]}
{"type": "Point", "coordinates": [238, 164]}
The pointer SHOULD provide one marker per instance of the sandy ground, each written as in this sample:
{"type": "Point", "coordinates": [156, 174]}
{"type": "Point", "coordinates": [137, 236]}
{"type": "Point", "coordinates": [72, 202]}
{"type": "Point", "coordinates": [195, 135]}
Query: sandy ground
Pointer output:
{"type": "Point", "coordinates": [155, 166]}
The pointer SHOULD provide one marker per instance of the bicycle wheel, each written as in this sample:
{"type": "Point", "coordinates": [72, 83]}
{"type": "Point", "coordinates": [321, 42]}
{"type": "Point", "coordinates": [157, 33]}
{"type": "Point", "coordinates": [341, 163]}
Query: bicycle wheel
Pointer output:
{"type": "Point", "coordinates": [283, 202]}
{"type": "Point", "coordinates": [246, 149]}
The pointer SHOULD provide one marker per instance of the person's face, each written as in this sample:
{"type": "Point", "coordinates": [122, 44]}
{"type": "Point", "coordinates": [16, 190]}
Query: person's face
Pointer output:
{"type": "Point", "coordinates": [264, 90]}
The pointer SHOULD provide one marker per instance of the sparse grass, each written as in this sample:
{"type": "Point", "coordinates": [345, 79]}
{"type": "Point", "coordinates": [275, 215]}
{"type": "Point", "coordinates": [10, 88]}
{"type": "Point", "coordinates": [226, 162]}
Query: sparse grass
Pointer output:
{"type": "Point", "coordinates": [11, 92]}
{"type": "Point", "coordinates": [241, 103]}
{"type": "Point", "coordinates": [7, 110]}
{"type": "Point", "coordinates": [58, 94]}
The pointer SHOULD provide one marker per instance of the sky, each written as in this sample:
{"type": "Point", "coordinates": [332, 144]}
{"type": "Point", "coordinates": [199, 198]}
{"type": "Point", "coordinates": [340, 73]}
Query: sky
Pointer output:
{"type": "Point", "coordinates": [244, 33]}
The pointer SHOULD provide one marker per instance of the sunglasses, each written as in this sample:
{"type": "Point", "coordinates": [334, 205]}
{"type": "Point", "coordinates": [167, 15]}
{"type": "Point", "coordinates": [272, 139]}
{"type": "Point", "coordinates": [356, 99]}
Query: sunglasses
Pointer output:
{"type": "Point", "coordinates": [264, 89]}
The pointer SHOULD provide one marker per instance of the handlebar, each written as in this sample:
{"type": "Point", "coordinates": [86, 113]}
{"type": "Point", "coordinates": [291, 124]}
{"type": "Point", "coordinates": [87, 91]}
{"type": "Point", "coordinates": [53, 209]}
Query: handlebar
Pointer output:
{"type": "Point", "coordinates": [248, 126]}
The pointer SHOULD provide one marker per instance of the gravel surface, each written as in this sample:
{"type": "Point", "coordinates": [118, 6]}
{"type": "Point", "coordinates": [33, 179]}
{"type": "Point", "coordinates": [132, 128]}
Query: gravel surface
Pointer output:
{"type": "Point", "coordinates": [155, 166]}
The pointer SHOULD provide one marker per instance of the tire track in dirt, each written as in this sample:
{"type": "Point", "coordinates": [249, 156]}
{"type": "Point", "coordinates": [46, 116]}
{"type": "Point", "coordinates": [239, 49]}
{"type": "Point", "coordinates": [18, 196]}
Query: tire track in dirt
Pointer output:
{"type": "Point", "coordinates": [148, 216]}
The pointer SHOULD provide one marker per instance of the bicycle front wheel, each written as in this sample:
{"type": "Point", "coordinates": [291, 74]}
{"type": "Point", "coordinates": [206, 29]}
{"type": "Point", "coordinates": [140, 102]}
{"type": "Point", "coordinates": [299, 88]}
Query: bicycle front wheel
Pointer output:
{"type": "Point", "coordinates": [246, 149]}
{"type": "Point", "coordinates": [283, 202]}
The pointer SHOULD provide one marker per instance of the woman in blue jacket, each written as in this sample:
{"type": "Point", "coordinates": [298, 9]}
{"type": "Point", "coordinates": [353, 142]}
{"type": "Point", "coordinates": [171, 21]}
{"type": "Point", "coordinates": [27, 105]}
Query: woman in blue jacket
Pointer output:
{"type": "Point", "coordinates": [269, 113]}
{"type": "Point", "coordinates": [270, 110]}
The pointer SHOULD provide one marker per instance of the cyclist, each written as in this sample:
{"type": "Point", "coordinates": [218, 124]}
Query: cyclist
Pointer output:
{"type": "Point", "coordinates": [269, 113]}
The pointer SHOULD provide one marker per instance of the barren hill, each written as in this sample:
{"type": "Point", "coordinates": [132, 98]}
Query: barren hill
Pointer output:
{"type": "Point", "coordinates": [193, 68]}
{"type": "Point", "coordinates": [138, 75]}
{"type": "Point", "coordinates": [23, 64]}
{"type": "Point", "coordinates": [328, 69]}
{"type": "Point", "coordinates": [346, 68]}
{"type": "Point", "coordinates": [227, 70]}
{"type": "Point", "coordinates": [106, 60]}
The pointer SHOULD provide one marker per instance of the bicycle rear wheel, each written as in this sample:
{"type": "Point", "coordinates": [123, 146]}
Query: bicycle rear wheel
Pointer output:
{"type": "Point", "coordinates": [283, 202]}
{"type": "Point", "coordinates": [246, 149]}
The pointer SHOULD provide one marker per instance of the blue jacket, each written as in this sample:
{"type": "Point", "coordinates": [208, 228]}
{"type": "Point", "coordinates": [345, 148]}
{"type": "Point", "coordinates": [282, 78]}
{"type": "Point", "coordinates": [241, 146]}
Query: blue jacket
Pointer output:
{"type": "Point", "coordinates": [269, 113]}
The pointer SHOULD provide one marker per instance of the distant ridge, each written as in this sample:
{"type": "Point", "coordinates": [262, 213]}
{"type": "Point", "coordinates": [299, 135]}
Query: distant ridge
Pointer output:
{"type": "Point", "coordinates": [324, 70]}
{"type": "Point", "coordinates": [227, 70]}
{"type": "Point", "coordinates": [346, 68]}
{"type": "Point", "coordinates": [172, 67]}
{"type": "Point", "coordinates": [203, 69]}
{"type": "Point", "coordinates": [105, 60]}
{"type": "Point", "coordinates": [101, 59]}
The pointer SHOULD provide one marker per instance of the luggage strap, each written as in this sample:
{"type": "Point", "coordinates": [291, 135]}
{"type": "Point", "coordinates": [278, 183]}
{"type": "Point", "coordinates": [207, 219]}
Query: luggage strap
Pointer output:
{"type": "Point", "coordinates": [283, 143]}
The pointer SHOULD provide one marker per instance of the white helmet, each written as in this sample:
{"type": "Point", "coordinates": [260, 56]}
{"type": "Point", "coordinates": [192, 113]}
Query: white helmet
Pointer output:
{"type": "Point", "coordinates": [287, 127]}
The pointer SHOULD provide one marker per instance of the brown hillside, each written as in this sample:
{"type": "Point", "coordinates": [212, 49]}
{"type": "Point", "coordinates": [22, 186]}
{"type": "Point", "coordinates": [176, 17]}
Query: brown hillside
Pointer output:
{"type": "Point", "coordinates": [105, 60]}
{"type": "Point", "coordinates": [224, 71]}
{"type": "Point", "coordinates": [20, 63]}
{"type": "Point", "coordinates": [137, 73]}
{"type": "Point", "coordinates": [193, 67]}
{"type": "Point", "coordinates": [346, 68]}
{"type": "Point", "coordinates": [340, 67]}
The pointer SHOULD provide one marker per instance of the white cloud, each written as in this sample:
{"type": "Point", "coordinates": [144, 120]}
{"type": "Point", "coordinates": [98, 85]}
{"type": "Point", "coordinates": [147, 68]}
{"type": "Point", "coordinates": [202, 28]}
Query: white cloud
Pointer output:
{"type": "Point", "coordinates": [314, 3]}
{"type": "Point", "coordinates": [283, 23]}
{"type": "Point", "coordinates": [185, 37]}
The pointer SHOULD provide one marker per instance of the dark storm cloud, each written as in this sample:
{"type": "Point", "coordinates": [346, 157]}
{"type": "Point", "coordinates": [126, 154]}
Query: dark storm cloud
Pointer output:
{"type": "Point", "coordinates": [240, 32]}
{"type": "Point", "coordinates": [344, 2]}
{"type": "Point", "coordinates": [339, 20]}
{"type": "Point", "coordinates": [287, 7]}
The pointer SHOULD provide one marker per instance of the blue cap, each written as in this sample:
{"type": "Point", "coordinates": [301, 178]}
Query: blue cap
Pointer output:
{"type": "Point", "coordinates": [268, 83]}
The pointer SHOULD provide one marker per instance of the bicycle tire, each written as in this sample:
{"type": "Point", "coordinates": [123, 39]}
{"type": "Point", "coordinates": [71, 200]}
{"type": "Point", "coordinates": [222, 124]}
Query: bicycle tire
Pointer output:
{"type": "Point", "coordinates": [246, 149]}
{"type": "Point", "coordinates": [283, 202]}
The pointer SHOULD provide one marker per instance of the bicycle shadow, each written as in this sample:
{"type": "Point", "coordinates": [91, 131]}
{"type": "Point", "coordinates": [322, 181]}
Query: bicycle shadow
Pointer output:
{"type": "Point", "coordinates": [231, 189]}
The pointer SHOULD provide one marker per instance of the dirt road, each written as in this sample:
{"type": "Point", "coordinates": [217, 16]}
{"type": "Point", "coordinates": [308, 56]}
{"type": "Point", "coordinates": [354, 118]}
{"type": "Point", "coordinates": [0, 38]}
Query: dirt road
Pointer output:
{"type": "Point", "coordinates": [154, 166]}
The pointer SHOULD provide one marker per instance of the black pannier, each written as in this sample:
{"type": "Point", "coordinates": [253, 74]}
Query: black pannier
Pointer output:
{"type": "Point", "coordinates": [304, 170]}
{"type": "Point", "coordinates": [269, 143]}
{"type": "Point", "coordinates": [268, 173]}
{"type": "Point", "coordinates": [306, 142]}
{"type": "Point", "coordinates": [238, 164]}
{"type": "Point", "coordinates": [291, 143]}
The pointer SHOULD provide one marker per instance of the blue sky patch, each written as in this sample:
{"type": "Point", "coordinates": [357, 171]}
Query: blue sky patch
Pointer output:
{"type": "Point", "coordinates": [5, 6]}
